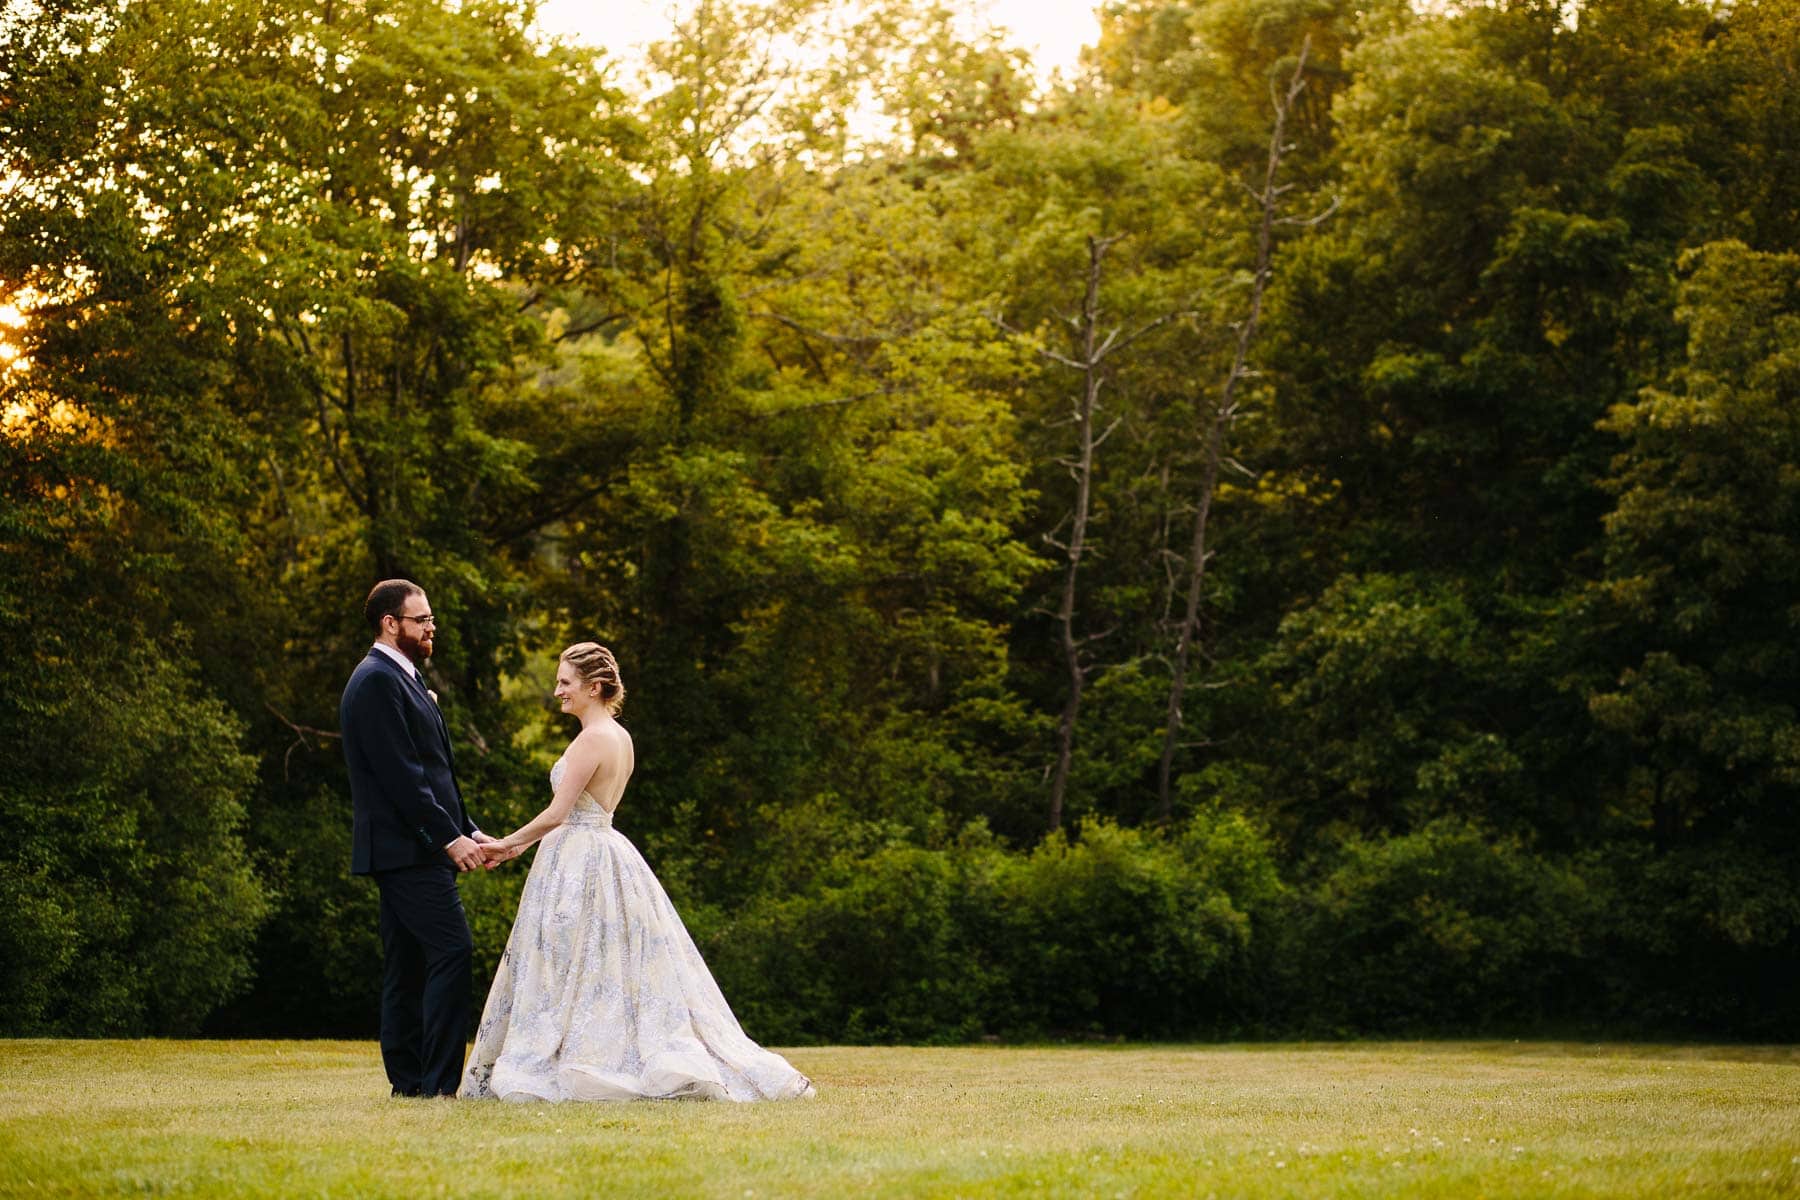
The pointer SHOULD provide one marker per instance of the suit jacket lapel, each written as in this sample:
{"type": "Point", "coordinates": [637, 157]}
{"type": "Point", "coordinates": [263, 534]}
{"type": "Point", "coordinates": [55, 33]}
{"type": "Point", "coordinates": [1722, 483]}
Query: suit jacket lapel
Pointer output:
{"type": "Point", "coordinates": [424, 694]}
{"type": "Point", "coordinates": [417, 680]}
{"type": "Point", "coordinates": [436, 712]}
{"type": "Point", "coordinates": [443, 731]}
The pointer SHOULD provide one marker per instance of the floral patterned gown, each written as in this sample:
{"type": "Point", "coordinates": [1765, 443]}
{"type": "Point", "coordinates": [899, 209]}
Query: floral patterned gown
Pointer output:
{"type": "Point", "coordinates": [601, 994]}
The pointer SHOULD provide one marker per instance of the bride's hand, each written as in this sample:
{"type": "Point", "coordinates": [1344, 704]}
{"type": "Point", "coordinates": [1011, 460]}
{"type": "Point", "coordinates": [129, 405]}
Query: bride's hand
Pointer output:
{"type": "Point", "coordinates": [496, 852]}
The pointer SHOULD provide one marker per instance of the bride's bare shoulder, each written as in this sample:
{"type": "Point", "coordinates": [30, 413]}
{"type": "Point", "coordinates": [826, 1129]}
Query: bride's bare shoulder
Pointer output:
{"type": "Point", "coordinates": [603, 737]}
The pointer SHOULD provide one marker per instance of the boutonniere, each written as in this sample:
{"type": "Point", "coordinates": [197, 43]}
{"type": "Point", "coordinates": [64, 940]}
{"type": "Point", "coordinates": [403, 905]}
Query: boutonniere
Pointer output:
{"type": "Point", "coordinates": [433, 696]}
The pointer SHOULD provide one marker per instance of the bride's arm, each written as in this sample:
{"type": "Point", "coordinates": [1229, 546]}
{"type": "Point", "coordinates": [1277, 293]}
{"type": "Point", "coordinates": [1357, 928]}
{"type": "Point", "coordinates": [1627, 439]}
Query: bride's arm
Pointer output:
{"type": "Point", "coordinates": [579, 763]}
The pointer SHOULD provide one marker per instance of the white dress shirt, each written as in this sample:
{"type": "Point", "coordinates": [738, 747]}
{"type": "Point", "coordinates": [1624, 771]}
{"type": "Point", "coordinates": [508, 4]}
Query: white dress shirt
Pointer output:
{"type": "Point", "coordinates": [393, 652]}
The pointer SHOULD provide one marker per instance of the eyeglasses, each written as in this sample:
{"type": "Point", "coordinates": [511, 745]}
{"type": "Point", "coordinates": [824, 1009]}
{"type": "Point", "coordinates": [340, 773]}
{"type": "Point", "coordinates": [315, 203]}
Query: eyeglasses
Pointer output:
{"type": "Point", "coordinates": [426, 622]}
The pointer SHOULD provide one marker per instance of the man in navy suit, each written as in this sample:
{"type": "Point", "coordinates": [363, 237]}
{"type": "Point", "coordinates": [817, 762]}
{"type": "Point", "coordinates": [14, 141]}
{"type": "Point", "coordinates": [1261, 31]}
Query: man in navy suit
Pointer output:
{"type": "Point", "coordinates": [412, 835]}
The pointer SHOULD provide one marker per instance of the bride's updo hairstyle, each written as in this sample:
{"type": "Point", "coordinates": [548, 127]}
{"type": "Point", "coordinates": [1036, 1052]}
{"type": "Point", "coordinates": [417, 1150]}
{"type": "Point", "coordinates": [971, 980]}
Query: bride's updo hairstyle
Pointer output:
{"type": "Point", "coordinates": [596, 665]}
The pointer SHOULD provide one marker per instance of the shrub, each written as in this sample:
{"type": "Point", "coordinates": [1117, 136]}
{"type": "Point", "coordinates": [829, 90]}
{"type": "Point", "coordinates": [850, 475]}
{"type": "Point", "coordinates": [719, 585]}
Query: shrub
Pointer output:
{"type": "Point", "coordinates": [1121, 932]}
{"type": "Point", "coordinates": [127, 900]}
{"type": "Point", "coordinates": [1444, 928]}
{"type": "Point", "coordinates": [1702, 939]}
{"type": "Point", "coordinates": [880, 953]}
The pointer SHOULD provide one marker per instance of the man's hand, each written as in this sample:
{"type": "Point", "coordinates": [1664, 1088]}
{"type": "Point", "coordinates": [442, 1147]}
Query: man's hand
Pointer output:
{"type": "Point", "coordinates": [465, 853]}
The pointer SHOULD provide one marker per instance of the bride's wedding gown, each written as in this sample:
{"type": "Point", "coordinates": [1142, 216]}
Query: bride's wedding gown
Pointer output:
{"type": "Point", "coordinates": [601, 994]}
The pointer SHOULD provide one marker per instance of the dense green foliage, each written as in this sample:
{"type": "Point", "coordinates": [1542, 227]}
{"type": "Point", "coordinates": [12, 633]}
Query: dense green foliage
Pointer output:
{"type": "Point", "coordinates": [758, 373]}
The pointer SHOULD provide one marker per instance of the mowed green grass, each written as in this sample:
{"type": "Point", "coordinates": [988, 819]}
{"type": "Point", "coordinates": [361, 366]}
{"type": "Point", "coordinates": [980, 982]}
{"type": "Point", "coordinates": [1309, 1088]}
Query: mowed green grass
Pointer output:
{"type": "Point", "coordinates": [84, 1118]}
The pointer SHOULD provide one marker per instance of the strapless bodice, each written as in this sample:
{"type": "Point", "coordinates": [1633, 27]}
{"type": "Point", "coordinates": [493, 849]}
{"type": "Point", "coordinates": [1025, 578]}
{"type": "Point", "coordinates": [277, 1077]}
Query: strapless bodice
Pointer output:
{"type": "Point", "coordinates": [587, 813]}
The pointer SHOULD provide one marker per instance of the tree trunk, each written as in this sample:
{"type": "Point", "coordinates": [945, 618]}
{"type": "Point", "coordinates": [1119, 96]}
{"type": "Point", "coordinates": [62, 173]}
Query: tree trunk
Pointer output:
{"type": "Point", "coordinates": [1215, 424]}
{"type": "Point", "coordinates": [1082, 467]}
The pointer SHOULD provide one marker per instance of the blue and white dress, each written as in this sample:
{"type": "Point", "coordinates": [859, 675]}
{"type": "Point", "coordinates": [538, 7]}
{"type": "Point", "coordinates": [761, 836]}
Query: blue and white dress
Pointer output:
{"type": "Point", "coordinates": [602, 995]}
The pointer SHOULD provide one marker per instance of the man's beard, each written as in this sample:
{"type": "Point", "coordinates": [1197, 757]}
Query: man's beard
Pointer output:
{"type": "Point", "coordinates": [414, 648]}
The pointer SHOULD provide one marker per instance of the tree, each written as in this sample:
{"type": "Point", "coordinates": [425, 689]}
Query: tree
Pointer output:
{"type": "Point", "coordinates": [809, 562]}
{"type": "Point", "coordinates": [1214, 421]}
{"type": "Point", "coordinates": [1499, 277]}
{"type": "Point", "coordinates": [1093, 351]}
{"type": "Point", "coordinates": [1701, 560]}
{"type": "Point", "coordinates": [277, 273]}
{"type": "Point", "coordinates": [1105, 185]}
{"type": "Point", "coordinates": [130, 903]}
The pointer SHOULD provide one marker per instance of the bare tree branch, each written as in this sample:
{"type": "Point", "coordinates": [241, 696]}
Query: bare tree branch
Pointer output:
{"type": "Point", "coordinates": [835, 339]}
{"type": "Point", "coordinates": [300, 735]}
{"type": "Point", "coordinates": [600, 322]}
{"type": "Point", "coordinates": [1316, 219]}
{"type": "Point", "coordinates": [877, 393]}
{"type": "Point", "coordinates": [1216, 423]}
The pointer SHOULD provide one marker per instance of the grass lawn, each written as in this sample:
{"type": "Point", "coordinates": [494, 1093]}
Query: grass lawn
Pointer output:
{"type": "Point", "coordinates": [1392, 1119]}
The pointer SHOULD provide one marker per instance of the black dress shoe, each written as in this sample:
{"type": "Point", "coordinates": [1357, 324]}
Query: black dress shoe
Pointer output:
{"type": "Point", "coordinates": [412, 1092]}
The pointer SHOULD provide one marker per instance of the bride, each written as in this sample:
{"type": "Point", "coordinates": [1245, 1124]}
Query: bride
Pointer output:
{"type": "Point", "coordinates": [601, 994]}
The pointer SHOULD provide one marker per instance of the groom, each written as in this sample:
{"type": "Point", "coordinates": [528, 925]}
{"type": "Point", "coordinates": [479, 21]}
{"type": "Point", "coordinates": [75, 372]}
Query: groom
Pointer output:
{"type": "Point", "coordinates": [413, 835]}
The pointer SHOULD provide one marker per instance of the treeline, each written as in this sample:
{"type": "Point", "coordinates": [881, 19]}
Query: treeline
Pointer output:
{"type": "Point", "coordinates": [1049, 606]}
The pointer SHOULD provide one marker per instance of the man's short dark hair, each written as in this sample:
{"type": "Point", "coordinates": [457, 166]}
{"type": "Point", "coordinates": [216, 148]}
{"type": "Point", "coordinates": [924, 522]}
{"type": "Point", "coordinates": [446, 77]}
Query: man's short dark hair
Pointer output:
{"type": "Point", "coordinates": [387, 599]}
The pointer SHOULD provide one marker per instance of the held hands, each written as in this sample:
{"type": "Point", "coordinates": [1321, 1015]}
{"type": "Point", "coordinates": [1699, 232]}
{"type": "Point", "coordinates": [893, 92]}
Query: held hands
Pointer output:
{"type": "Point", "coordinates": [480, 850]}
{"type": "Point", "coordinates": [494, 852]}
{"type": "Point", "coordinates": [465, 853]}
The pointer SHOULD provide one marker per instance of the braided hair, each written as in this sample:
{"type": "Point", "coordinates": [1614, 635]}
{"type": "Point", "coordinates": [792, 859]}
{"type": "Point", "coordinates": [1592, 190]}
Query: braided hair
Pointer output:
{"type": "Point", "coordinates": [596, 665]}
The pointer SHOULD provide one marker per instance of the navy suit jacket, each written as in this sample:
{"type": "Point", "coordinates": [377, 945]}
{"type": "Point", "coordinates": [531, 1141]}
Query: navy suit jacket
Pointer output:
{"type": "Point", "coordinates": [402, 775]}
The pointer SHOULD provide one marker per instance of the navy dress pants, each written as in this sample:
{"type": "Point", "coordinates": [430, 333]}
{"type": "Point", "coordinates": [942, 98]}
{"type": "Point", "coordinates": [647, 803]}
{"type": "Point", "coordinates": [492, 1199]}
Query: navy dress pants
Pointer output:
{"type": "Point", "coordinates": [425, 979]}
